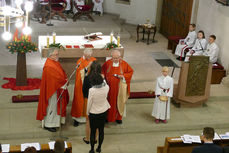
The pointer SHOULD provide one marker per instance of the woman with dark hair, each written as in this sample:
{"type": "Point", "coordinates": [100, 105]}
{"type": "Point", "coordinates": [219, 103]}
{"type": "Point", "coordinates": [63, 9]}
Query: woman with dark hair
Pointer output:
{"type": "Point", "coordinates": [97, 105]}
{"type": "Point", "coordinates": [86, 86]}
{"type": "Point", "coordinates": [199, 46]}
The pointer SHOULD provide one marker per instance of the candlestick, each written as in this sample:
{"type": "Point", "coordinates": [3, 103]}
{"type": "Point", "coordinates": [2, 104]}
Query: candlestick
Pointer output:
{"type": "Point", "coordinates": [111, 35]}
{"type": "Point", "coordinates": [47, 41]}
{"type": "Point", "coordinates": [118, 40]}
{"type": "Point", "coordinates": [54, 37]}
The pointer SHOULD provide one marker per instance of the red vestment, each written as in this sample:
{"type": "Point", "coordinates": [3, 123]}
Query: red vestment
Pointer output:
{"type": "Point", "coordinates": [108, 70]}
{"type": "Point", "coordinates": [78, 107]}
{"type": "Point", "coordinates": [53, 78]}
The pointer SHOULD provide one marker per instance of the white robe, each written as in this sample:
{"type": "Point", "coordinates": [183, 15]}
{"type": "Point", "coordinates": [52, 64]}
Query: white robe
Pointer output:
{"type": "Point", "coordinates": [212, 51]}
{"type": "Point", "coordinates": [161, 110]}
{"type": "Point", "coordinates": [189, 41]}
{"type": "Point", "coordinates": [68, 7]}
{"type": "Point", "coordinates": [98, 6]}
{"type": "Point", "coordinates": [52, 119]}
{"type": "Point", "coordinates": [2, 2]}
{"type": "Point", "coordinates": [199, 47]}
{"type": "Point", "coordinates": [82, 2]}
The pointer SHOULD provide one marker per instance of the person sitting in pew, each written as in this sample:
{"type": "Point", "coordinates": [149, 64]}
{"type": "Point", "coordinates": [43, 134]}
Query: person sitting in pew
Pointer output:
{"type": "Point", "coordinates": [212, 49]}
{"type": "Point", "coordinates": [79, 3]}
{"type": "Point", "coordinates": [208, 146]}
{"type": "Point", "coordinates": [30, 150]}
{"type": "Point", "coordinates": [98, 6]}
{"type": "Point", "coordinates": [199, 47]}
{"type": "Point", "coordinates": [59, 146]}
{"type": "Point", "coordinates": [188, 42]}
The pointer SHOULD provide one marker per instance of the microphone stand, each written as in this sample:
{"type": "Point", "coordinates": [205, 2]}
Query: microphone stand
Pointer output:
{"type": "Point", "coordinates": [50, 13]}
{"type": "Point", "coordinates": [59, 100]}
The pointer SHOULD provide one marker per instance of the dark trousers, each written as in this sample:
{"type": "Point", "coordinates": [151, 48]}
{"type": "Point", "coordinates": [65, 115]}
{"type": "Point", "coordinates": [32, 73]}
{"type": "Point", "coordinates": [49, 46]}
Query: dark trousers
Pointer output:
{"type": "Point", "coordinates": [97, 121]}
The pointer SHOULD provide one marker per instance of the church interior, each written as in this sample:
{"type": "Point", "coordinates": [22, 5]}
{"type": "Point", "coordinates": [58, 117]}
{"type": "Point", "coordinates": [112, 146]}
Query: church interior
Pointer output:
{"type": "Point", "coordinates": [146, 32]}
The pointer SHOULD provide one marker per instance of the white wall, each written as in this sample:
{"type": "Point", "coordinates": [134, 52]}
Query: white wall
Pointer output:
{"type": "Point", "coordinates": [213, 18]}
{"type": "Point", "coordinates": [137, 12]}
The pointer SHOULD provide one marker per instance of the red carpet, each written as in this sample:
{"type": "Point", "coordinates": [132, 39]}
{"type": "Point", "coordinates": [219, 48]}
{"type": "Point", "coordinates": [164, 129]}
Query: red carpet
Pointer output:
{"type": "Point", "coordinates": [32, 84]}
{"type": "Point", "coordinates": [136, 95]}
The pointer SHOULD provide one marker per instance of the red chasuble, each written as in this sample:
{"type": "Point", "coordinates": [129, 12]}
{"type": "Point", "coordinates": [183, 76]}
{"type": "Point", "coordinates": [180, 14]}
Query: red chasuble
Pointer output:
{"type": "Point", "coordinates": [108, 70]}
{"type": "Point", "coordinates": [53, 78]}
{"type": "Point", "coordinates": [78, 108]}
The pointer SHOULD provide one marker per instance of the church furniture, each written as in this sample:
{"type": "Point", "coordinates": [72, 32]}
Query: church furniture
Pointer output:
{"type": "Point", "coordinates": [193, 88]}
{"type": "Point", "coordinates": [44, 148]}
{"type": "Point", "coordinates": [176, 145]}
{"type": "Point", "coordinates": [152, 29]}
{"type": "Point", "coordinates": [176, 17]}
{"type": "Point", "coordinates": [218, 72]}
{"type": "Point", "coordinates": [173, 41]}
{"type": "Point", "coordinates": [70, 55]}
{"type": "Point", "coordinates": [83, 10]}
{"type": "Point", "coordinates": [58, 7]}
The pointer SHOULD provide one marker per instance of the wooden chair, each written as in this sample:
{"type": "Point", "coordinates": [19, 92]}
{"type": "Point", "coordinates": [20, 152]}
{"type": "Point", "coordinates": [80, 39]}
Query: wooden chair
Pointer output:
{"type": "Point", "coordinates": [58, 7]}
{"type": "Point", "coordinates": [83, 10]}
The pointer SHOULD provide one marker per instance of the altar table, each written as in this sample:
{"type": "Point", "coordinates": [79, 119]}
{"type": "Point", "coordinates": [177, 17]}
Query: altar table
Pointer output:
{"type": "Point", "coordinates": [69, 56]}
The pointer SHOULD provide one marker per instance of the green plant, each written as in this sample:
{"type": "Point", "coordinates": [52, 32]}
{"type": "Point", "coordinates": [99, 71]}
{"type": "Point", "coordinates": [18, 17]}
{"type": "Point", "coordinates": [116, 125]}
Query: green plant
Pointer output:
{"type": "Point", "coordinates": [57, 45]}
{"type": "Point", "coordinates": [110, 46]}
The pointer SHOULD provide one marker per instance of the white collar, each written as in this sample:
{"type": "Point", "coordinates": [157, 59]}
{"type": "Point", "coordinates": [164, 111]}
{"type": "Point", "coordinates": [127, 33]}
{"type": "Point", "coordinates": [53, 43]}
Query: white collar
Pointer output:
{"type": "Point", "coordinates": [115, 64]}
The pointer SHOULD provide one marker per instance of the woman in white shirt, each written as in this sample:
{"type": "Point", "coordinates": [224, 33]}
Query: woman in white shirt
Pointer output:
{"type": "Point", "coordinates": [97, 106]}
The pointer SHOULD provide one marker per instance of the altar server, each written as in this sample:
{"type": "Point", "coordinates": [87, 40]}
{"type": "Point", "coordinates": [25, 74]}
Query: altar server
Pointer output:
{"type": "Point", "coordinates": [52, 83]}
{"type": "Point", "coordinates": [163, 92]}
{"type": "Point", "coordinates": [68, 7]}
{"type": "Point", "coordinates": [199, 47]}
{"type": "Point", "coordinates": [98, 6]}
{"type": "Point", "coordinates": [212, 49]}
{"type": "Point", "coordinates": [188, 42]}
{"type": "Point", "coordinates": [114, 71]}
{"type": "Point", "coordinates": [79, 103]}
{"type": "Point", "coordinates": [78, 2]}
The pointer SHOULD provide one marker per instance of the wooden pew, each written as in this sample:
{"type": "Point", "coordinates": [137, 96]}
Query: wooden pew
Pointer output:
{"type": "Point", "coordinates": [177, 146]}
{"type": "Point", "coordinates": [44, 149]}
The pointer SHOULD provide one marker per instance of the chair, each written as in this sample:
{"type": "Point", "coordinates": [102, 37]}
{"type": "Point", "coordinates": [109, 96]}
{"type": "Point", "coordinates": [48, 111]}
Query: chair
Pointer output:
{"type": "Point", "coordinates": [58, 7]}
{"type": "Point", "coordinates": [83, 10]}
{"type": "Point", "coordinates": [172, 42]}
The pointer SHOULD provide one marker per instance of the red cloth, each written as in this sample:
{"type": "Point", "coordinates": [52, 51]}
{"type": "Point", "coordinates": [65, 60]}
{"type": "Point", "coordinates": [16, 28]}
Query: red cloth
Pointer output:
{"type": "Point", "coordinates": [84, 8]}
{"type": "Point", "coordinates": [218, 66]}
{"type": "Point", "coordinates": [27, 98]}
{"type": "Point", "coordinates": [88, 46]}
{"type": "Point", "coordinates": [53, 78]}
{"type": "Point", "coordinates": [68, 46]}
{"type": "Point", "coordinates": [76, 46]}
{"type": "Point", "coordinates": [32, 84]}
{"type": "Point", "coordinates": [175, 38]}
{"type": "Point", "coordinates": [136, 95]}
{"type": "Point", "coordinates": [108, 70]}
{"type": "Point", "coordinates": [78, 99]}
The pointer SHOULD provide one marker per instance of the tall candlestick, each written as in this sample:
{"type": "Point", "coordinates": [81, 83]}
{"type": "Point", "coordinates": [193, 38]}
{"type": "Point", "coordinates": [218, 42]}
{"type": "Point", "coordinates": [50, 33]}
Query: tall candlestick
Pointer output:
{"type": "Point", "coordinates": [118, 40]}
{"type": "Point", "coordinates": [54, 37]}
{"type": "Point", "coordinates": [47, 41]}
{"type": "Point", "coordinates": [111, 35]}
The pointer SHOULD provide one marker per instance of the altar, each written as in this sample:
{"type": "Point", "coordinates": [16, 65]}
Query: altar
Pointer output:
{"type": "Point", "coordinates": [74, 48]}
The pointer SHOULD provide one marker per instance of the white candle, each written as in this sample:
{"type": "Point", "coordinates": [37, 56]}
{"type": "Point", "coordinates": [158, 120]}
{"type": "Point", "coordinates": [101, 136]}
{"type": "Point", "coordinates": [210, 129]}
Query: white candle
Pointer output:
{"type": "Point", "coordinates": [47, 41]}
{"type": "Point", "coordinates": [111, 36]}
{"type": "Point", "coordinates": [118, 40]}
{"type": "Point", "coordinates": [54, 37]}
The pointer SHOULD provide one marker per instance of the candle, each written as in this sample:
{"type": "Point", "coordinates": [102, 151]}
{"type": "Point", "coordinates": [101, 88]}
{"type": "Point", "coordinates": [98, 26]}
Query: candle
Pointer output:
{"type": "Point", "coordinates": [111, 35]}
{"type": "Point", "coordinates": [47, 41]}
{"type": "Point", "coordinates": [54, 37]}
{"type": "Point", "coordinates": [118, 40]}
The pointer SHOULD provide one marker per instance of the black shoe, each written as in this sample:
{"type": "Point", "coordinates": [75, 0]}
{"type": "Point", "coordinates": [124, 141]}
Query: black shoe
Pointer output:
{"type": "Point", "coordinates": [76, 123]}
{"type": "Point", "coordinates": [87, 142]}
{"type": "Point", "coordinates": [91, 151]}
{"type": "Point", "coordinates": [50, 129]}
{"type": "Point", "coordinates": [119, 121]}
{"type": "Point", "coordinates": [98, 150]}
{"type": "Point", "coordinates": [178, 58]}
{"type": "Point", "coordinates": [183, 58]}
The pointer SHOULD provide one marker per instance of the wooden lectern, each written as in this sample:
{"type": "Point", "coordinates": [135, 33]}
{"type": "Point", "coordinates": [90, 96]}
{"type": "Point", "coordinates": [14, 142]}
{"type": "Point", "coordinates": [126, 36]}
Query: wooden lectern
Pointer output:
{"type": "Point", "coordinates": [193, 88]}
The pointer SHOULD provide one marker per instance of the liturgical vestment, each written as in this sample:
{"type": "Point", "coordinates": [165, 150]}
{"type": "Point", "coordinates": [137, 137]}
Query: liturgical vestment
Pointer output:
{"type": "Point", "coordinates": [164, 87]}
{"type": "Point", "coordinates": [110, 70]}
{"type": "Point", "coordinates": [52, 84]}
{"type": "Point", "coordinates": [78, 105]}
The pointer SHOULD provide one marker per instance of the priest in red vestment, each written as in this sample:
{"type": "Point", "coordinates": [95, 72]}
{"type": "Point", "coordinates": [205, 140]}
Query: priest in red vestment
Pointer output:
{"type": "Point", "coordinates": [53, 82]}
{"type": "Point", "coordinates": [114, 70]}
{"type": "Point", "coordinates": [79, 104]}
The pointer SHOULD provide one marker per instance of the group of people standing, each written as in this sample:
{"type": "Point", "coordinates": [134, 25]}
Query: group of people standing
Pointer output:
{"type": "Point", "coordinates": [95, 98]}
{"type": "Point", "coordinates": [196, 44]}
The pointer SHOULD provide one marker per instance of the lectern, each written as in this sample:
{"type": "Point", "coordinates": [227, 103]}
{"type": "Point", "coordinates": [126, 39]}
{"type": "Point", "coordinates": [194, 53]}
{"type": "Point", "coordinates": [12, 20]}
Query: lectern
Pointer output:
{"type": "Point", "coordinates": [193, 88]}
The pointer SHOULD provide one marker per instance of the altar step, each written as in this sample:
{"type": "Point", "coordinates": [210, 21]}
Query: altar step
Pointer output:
{"type": "Point", "coordinates": [18, 121]}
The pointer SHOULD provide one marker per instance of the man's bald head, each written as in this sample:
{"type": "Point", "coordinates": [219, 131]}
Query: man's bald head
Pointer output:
{"type": "Point", "coordinates": [116, 55]}
{"type": "Point", "coordinates": [53, 54]}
